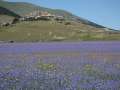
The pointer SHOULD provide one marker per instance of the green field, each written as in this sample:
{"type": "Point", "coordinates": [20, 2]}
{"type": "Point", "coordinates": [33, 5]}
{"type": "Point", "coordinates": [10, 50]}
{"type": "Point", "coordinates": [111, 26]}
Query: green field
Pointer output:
{"type": "Point", "coordinates": [42, 31]}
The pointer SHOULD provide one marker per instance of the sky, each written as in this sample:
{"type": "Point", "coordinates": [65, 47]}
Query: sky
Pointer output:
{"type": "Point", "coordinates": [103, 12]}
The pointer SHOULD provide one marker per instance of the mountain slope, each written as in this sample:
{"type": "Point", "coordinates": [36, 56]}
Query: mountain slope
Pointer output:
{"type": "Point", "coordinates": [7, 15]}
{"type": "Point", "coordinates": [22, 9]}
{"type": "Point", "coordinates": [78, 28]}
{"type": "Point", "coordinates": [4, 11]}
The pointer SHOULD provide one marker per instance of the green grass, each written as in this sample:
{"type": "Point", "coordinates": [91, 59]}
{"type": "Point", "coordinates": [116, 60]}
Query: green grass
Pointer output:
{"type": "Point", "coordinates": [34, 31]}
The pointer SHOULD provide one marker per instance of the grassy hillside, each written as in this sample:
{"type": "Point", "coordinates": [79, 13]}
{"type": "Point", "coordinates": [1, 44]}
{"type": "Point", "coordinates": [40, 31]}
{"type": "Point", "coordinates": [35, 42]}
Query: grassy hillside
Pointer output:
{"type": "Point", "coordinates": [32, 31]}
{"type": "Point", "coordinates": [6, 18]}
{"type": "Point", "coordinates": [6, 15]}
{"type": "Point", "coordinates": [52, 31]}
{"type": "Point", "coordinates": [5, 11]}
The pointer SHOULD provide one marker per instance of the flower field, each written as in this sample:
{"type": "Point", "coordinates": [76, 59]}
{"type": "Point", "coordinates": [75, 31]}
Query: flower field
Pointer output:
{"type": "Point", "coordinates": [22, 68]}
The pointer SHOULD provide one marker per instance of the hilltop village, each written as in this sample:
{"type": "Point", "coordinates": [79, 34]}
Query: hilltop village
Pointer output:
{"type": "Point", "coordinates": [41, 15]}
{"type": "Point", "coordinates": [34, 16]}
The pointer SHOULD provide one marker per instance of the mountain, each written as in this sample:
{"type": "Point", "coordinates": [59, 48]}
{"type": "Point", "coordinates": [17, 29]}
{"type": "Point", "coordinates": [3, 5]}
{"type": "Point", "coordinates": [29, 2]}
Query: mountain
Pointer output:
{"type": "Point", "coordinates": [73, 28]}
{"type": "Point", "coordinates": [22, 8]}
{"type": "Point", "coordinates": [7, 16]}
{"type": "Point", "coordinates": [5, 11]}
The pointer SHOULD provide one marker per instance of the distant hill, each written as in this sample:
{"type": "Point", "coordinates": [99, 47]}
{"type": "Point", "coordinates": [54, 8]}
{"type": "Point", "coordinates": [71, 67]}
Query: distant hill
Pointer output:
{"type": "Point", "coordinates": [21, 8]}
{"type": "Point", "coordinates": [5, 11]}
{"type": "Point", "coordinates": [7, 15]}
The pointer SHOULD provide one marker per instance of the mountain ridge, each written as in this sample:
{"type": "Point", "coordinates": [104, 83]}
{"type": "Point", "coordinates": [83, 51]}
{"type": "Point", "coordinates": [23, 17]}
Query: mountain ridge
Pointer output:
{"type": "Point", "coordinates": [23, 8]}
{"type": "Point", "coordinates": [8, 12]}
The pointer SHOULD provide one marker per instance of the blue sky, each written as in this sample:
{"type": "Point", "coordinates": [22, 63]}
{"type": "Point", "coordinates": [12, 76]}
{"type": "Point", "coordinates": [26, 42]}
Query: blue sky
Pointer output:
{"type": "Point", "coordinates": [103, 12]}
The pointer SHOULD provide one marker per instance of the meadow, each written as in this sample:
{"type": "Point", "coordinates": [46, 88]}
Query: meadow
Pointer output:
{"type": "Point", "coordinates": [60, 66]}
{"type": "Point", "coordinates": [44, 31]}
